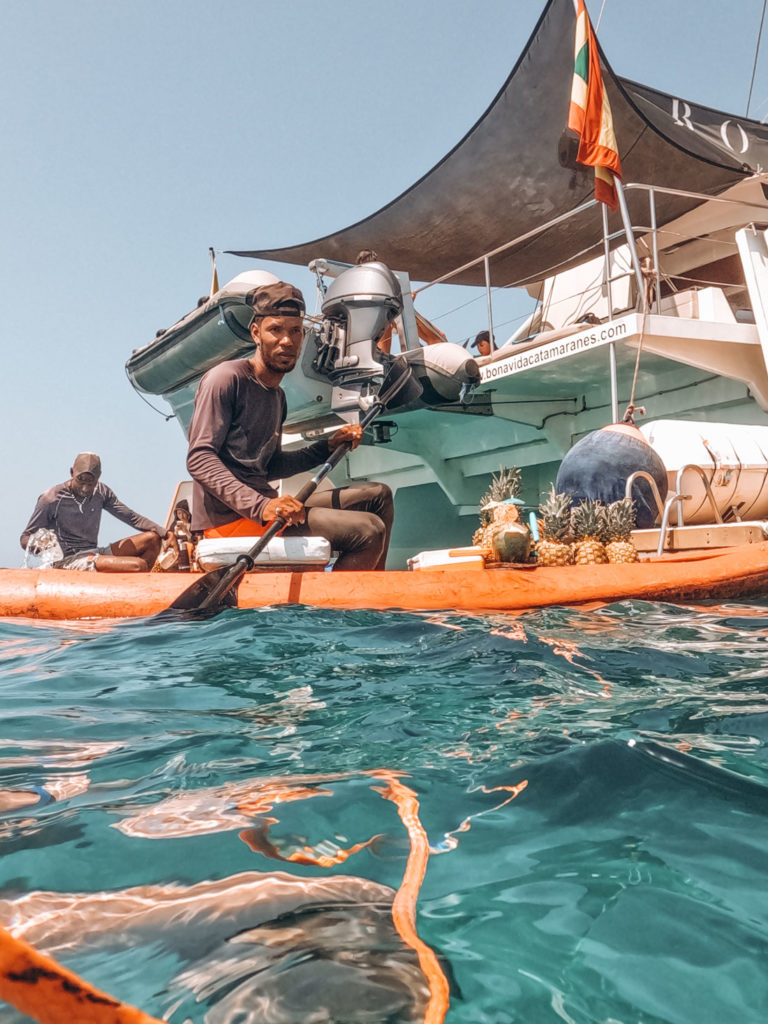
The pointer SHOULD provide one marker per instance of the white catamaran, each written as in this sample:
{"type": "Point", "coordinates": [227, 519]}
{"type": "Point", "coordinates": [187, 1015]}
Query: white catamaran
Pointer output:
{"type": "Point", "coordinates": [664, 310]}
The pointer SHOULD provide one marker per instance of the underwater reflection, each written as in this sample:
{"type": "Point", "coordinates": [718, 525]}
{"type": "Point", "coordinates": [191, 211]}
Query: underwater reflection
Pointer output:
{"type": "Point", "coordinates": [267, 948]}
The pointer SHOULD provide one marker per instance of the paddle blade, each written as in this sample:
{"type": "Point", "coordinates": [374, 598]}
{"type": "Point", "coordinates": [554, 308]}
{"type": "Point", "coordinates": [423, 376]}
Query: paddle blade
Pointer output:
{"type": "Point", "coordinates": [212, 592]}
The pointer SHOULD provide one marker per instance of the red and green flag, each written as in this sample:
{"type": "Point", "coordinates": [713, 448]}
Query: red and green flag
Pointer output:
{"type": "Point", "coordinates": [589, 114]}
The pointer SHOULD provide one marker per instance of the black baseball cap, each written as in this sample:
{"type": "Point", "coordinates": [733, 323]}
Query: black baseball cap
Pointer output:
{"type": "Point", "coordinates": [278, 299]}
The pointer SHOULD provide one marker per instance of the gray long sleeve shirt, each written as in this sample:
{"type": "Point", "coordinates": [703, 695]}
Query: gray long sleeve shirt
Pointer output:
{"type": "Point", "coordinates": [235, 446]}
{"type": "Point", "coordinates": [75, 521]}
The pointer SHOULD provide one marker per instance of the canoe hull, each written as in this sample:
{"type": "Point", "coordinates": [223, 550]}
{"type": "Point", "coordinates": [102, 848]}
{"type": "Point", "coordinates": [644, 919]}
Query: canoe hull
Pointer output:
{"type": "Point", "coordinates": [59, 594]}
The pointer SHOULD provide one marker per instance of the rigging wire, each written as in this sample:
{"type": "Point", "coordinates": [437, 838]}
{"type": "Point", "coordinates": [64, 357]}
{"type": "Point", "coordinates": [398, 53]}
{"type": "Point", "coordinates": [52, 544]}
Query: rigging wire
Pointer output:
{"type": "Point", "coordinates": [166, 416]}
{"type": "Point", "coordinates": [757, 51]}
{"type": "Point", "coordinates": [600, 16]}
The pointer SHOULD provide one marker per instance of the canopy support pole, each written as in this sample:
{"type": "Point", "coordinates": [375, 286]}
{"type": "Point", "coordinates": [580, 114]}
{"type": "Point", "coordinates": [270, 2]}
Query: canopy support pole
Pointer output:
{"type": "Point", "coordinates": [655, 236]}
{"type": "Point", "coordinates": [487, 267]}
{"type": "Point", "coordinates": [630, 241]}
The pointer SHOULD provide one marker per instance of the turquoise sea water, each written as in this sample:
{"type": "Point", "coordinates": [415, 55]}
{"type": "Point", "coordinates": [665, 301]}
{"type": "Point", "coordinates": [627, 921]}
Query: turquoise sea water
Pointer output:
{"type": "Point", "coordinates": [201, 765]}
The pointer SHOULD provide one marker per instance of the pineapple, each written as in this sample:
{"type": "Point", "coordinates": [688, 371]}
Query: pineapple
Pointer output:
{"type": "Point", "coordinates": [620, 521]}
{"type": "Point", "coordinates": [497, 512]}
{"type": "Point", "coordinates": [555, 525]}
{"type": "Point", "coordinates": [588, 524]}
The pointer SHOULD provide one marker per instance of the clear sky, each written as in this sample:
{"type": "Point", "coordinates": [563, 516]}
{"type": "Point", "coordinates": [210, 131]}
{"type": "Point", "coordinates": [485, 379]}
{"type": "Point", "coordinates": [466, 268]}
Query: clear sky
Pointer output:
{"type": "Point", "coordinates": [136, 134]}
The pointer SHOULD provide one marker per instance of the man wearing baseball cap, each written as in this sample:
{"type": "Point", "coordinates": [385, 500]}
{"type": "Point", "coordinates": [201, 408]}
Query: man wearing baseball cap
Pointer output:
{"type": "Point", "coordinates": [235, 448]}
{"type": "Point", "coordinates": [73, 511]}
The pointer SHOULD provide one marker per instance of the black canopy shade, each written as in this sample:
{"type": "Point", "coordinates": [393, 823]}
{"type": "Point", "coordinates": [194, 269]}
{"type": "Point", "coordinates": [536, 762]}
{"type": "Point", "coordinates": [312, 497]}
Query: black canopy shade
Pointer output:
{"type": "Point", "coordinates": [503, 179]}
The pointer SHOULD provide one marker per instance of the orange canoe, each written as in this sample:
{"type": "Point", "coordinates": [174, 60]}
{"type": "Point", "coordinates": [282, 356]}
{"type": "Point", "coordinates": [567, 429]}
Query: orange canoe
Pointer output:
{"type": "Point", "coordinates": [723, 573]}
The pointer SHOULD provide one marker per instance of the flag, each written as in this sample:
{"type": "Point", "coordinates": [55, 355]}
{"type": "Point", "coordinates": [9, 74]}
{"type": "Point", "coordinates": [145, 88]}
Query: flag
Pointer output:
{"type": "Point", "coordinates": [589, 114]}
{"type": "Point", "coordinates": [214, 272]}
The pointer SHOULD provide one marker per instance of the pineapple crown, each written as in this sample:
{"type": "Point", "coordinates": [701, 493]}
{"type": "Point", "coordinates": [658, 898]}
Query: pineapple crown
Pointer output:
{"type": "Point", "coordinates": [556, 504]}
{"type": "Point", "coordinates": [502, 487]}
{"type": "Point", "coordinates": [620, 519]}
{"type": "Point", "coordinates": [588, 520]}
{"type": "Point", "coordinates": [555, 515]}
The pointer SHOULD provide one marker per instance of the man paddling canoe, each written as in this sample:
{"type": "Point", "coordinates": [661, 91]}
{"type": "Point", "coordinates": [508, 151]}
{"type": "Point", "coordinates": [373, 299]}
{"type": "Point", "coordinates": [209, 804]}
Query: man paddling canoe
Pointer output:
{"type": "Point", "coordinates": [235, 448]}
{"type": "Point", "coordinates": [73, 511]}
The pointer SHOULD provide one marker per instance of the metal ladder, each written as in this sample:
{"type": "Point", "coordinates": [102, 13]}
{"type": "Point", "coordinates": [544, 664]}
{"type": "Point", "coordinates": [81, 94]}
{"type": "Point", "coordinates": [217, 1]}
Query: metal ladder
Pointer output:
{"type": "Point", "coordinates": [675, 498]}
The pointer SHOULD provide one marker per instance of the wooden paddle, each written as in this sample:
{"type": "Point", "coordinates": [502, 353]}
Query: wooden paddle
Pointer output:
{"type": "Point", "coordinates": [217, 589]}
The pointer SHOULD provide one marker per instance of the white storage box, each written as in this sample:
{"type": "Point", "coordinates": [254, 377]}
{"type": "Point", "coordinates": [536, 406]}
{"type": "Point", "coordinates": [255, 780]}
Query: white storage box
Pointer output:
{"type": "Point", "coordinates": [448, 558]}
{"type": "Point", "coordinates": [303, 551]}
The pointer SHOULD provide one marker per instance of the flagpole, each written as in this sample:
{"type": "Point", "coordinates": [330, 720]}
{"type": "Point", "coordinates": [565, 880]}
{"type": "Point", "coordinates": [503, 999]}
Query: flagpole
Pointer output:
{"type": "Point", "coordinates": [581, 98]}
{"type": "Point", "coordinates": [214, 273]}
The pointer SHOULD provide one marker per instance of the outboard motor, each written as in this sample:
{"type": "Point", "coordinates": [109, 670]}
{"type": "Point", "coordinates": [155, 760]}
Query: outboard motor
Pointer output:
{"type": "Point", "coordinates": [357, 308]}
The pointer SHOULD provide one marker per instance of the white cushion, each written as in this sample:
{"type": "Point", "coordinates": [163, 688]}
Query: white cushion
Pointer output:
{"type": "Point", "coordinates": [217, 551]}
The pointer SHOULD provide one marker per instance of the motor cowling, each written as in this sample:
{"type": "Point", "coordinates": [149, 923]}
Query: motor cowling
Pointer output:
{"type": "Point", "coordinates": [359, 305]}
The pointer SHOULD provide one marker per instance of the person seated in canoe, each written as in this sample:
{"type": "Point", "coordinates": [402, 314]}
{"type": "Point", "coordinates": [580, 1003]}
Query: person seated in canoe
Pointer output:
{"type": "Point", "coordinates": [235, 448]}
{"type": "Point", "coordinates": [72, 510]}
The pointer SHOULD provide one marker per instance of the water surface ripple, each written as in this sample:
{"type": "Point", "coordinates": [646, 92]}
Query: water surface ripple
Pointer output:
{"type": "Point", "coordinates": [217, 839]}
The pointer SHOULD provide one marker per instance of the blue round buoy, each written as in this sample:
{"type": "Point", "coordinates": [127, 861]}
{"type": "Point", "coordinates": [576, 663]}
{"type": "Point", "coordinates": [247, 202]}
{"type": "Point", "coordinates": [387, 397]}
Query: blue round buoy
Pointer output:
{"type": "Point", "coordinates": [597, 467]}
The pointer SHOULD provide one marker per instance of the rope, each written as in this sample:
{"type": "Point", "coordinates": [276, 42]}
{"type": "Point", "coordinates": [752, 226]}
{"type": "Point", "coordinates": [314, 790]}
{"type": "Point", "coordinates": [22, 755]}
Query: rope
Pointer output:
{"type": "Point", "coordinates": [166, 416]}
{"type": "Point", "coordinates": [41, 988]}
{"type": "Point", "coordinates": [404, 903]}
{"type": "Point", "coordinates": [646, 269]}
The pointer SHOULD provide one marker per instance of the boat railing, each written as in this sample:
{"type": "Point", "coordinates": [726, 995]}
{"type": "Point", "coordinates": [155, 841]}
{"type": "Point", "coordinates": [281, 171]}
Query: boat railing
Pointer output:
{"type": "Point", "coordinates": [649, 231]}
{"type": "Point", "coordinates": [652, 229]}
{"type": "Point", "coordinates": [677, 497]}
